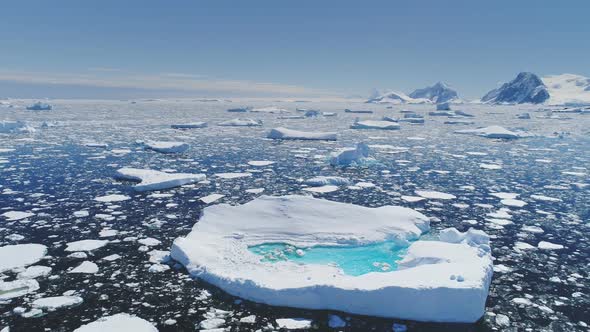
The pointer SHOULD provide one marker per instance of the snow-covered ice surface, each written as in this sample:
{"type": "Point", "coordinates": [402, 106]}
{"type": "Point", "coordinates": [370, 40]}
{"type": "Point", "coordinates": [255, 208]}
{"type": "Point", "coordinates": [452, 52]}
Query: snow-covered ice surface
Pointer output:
{"type": "Point", "coordinates": [424, 288]}
{"type": "Point", "coordinates": [52, 174]}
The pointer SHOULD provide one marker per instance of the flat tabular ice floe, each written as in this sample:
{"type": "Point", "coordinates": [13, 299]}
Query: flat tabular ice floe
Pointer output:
{"type": "Point", "coordinates": [112, 198]}
{"type": "Point", "coordinates": [284, 133]}
{"type": "Point", "coordinates": [375, 124]}
{"type": "Point", "coordinates": [20, 255]}
{"type": "Point", "coordinates": [493, 132]}
{"type": "Point", "coordinates": [445, 281]}
{"type": "Point", "coordinates": [190, 125]}
{"type": "Point", "coordinates": [118, 323]}
{"type": "Point", "coordinates": [240, 122]}
{"type": "Point", "coordinates": [167, 147]}
{"type": "Point", "coordinates": [156, 180]}
{"type": "Point", "coordinates": [17, 215]}
{"type": "Point", "coordinates": [56, 302]}
{"type": "Point", "coordinates": [434, 194]}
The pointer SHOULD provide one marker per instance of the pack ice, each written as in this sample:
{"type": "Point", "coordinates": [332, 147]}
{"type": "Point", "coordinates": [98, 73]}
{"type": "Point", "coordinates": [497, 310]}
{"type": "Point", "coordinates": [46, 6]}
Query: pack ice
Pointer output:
{"type": "Point", "coordinates": [442, 281]}
{"type": "Point", "coordinates": [156, 180]}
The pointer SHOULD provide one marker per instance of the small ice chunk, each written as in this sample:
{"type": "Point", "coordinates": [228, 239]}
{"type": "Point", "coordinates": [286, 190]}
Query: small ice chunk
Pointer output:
{"type": "Point", "coordinates": [86, 267]}
{"type": "Point", "coordinates": [294, 323]}
{"type": "Point", "coordinates": [545, 245]}
{"type": "Point", "coordinates": [211, 198]}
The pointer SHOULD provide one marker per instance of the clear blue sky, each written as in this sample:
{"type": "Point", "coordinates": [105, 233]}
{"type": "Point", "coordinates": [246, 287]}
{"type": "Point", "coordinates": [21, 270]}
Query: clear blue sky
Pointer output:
{"type": "Point", "coordinates": [112, 48]}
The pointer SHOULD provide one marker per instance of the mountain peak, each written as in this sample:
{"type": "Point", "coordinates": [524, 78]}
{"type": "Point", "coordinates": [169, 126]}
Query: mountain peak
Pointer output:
{"type": "Point", "coordinates": [438, 93]}
{"type": "Point", "coordinates": [525, 88]}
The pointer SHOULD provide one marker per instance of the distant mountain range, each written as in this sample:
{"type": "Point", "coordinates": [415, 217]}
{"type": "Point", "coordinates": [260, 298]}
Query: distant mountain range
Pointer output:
{"type": "Point", "coordinates": [438, 93]}
{"type": "Point", "coordinates": [565, 89]}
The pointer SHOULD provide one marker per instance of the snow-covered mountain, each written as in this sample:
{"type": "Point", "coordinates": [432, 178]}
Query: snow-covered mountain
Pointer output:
{"type": "Point", "coordinates": [438, 93]}
{"type": "Point", "coordinates": [394, 97]}
{"type": "Point", "coordinates": [567, 89]}
{"type": "Point", "coordinates": [525, 88]}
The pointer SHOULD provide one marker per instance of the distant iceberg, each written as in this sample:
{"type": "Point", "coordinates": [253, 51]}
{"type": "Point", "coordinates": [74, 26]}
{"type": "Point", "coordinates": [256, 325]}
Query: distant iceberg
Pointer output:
{"type": "Point", "coordinates": [39, 106]}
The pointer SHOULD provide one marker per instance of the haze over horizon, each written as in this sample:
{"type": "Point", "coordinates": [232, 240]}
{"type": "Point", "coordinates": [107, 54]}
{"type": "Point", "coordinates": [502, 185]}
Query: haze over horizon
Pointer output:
{"type": "Point", "coordinates": [69, 49]}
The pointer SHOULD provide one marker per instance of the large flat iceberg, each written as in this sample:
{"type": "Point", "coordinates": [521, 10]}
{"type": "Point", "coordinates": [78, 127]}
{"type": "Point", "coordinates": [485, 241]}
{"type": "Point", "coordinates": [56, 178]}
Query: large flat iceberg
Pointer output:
{"type": "Point", "coordinates": [492, 132]}
{"type": "Point", "coordinates": [155, 180]}
{"type": "Point", "coordinates": [285, 133]}
{"type": "Point", "coordinates": [436, 281]}
{"type": "Point", "coordinates": [375, 124]}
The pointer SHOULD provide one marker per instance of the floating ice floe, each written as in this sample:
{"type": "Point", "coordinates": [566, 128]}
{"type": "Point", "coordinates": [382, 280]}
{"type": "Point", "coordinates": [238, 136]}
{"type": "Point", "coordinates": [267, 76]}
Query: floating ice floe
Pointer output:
{"type": "Point", "coordinates": [375, 124]}
{"type": "Point", "coordinates": [118, 323]}
{"type": "Point", "coordinates": [284, 133]}
{"type": "Point", "coordinates": [545, 245]}
{"type": "Point", "coordinates": [190, 125]}
{"type": "Point", "coordinates": [211, 198]}
{"type": "Point", "coordinates": [260, 163]}
{"type": "Point", "coordinates": [357, 111]}
{"type": "Point", "coordinates": [434, 194]}
{"type": "Point", "coordinates": [493, 132]}
{"type": "Point", "coordinates": [436, 280]}
{"type": "Point", "coordinates": [271, 110]}
{"type": "Point", "coordinates": [17, 288]}
{"type": "Point", "coordinates": [112, 198]}
{"type": "Point", "coordinates": [96, 145]}
{"type": "Point", "coordinates": [167, 147]}
{"type": "Point", "coordinates": [229, 176]}
{"type": "Point", "coordinates": [239, 122]}
{"type": "Point", "coordinates": [17, 215]}
{"type": "Point", "coordinates": [349, 156]}
{"type": "Point", "coordinates": [86, 267]}
{"type": "Point", "coordinates": [156, 180]}
{"type": "Point", "coordinates": [238, 110]}
{"type": "Point", "coordinates": [56, 302]}
{"type": "Point", "coordinates": [20, 255]}
{"type": "Point", "coordinates": [294, 323]}
{"type": "Point", "coordinates": [86, 245]}
{"type": "Point", "coordinates": [34, 271]}
{"type": "Point", "coordinates": [12, 127]}
{"type": "Point", "coordinates": [327, 180]}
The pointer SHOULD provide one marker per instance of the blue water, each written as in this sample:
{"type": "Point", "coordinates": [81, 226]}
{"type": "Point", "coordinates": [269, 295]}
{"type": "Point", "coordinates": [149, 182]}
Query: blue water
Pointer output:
{"type": "Point", "coordinates": [353, 260]}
